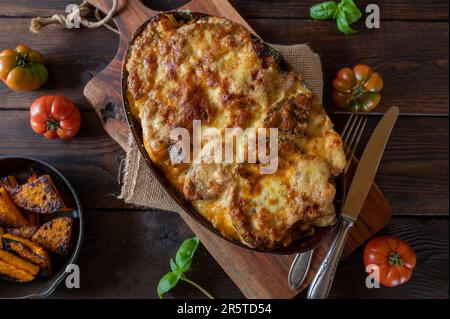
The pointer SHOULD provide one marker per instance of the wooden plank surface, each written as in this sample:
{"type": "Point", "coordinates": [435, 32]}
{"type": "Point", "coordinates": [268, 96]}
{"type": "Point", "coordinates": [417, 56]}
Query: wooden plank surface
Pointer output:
{"type": "Point", "coordinates": [415, 76]}
{"type": "Point", "coordinates": [127, 262]}
{"type": "Point", "coordinates": [413, 173]}
{"type": "Point", "coordinates": [73, 57]}
{"type": "Point", "coordinates": [91, 161]}
{"type": "Point", "coordinates": [415, 161]}
{"type": "Point", "coordinates": [411, 72]}
{"type": "Point", "coordinates": [431, 10]}
{"type": "Point", "coordinates": [246, 268]}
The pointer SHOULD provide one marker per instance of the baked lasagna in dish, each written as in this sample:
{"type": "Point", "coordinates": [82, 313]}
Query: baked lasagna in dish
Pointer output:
{"type": "Point", "coordinates": [212, 70]}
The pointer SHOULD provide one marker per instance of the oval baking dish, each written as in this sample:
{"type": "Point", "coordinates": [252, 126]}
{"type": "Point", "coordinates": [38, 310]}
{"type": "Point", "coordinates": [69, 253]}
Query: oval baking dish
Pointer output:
{"type": "Point", "coordinates": [301, 245]}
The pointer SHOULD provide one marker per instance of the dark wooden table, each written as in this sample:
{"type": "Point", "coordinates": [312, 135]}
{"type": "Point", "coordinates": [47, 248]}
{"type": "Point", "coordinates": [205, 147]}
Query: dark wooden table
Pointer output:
{"type": "Point", "coordinates": [126, 250]}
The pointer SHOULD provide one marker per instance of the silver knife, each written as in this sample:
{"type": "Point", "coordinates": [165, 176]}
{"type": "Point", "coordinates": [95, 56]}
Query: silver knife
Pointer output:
{"type": "Point", "coordinates": [300, 268]}
{"type": "Point", "coordinates": [356, 196]}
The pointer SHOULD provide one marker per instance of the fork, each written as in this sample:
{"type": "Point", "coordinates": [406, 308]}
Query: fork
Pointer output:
{"type": "Point", "coordinates": [351, 135]}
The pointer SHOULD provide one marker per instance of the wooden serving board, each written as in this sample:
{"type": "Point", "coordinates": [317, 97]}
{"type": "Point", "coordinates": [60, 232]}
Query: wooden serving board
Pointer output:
{"type": "Point", "coordinates": [258, 275]}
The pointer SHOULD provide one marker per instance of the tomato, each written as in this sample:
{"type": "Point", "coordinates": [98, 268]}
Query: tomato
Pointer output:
{"type": "Point", "coordinates": [55, 116]}
{"type": "Point", "coordinates": [22, 69]}
{"type": "Point", "coordinates": [357, 89]}
{"type": "Point", "coordinates": [395, 258]}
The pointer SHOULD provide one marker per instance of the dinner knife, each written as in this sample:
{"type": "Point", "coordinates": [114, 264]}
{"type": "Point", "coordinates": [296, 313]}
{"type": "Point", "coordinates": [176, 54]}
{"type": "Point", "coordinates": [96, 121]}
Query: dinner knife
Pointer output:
{"type": "Point", "coordinates": [356, 196]}
{"type": "Point", "coordinates": [300, 268]}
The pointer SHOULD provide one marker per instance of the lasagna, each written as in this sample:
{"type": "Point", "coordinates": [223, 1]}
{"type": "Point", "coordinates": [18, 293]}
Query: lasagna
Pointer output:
{"type": "Point", "coordinates": [212, 70]}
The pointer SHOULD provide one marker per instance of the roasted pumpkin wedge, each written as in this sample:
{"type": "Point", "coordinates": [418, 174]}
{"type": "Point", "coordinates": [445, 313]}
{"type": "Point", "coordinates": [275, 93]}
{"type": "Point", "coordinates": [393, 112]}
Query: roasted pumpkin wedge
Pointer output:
{"type": "Point", "coordinates": [26, 249]}
{"type": "Point", "coordinates": [40, 196]}
{"type": "Point", "coordinates": [8, 182]}
{"type": "Point", "coordinates": [34, 176]}
{"type": "Point", "coordinates": [29, 230]}
{"type": "Point", "coordinates": [10, 215]}
{"type": "Point", "coordinates": [2, 232]}
{"type": "Point", "coordinates": [55, 235]}
{"type": "Point", "coordinates": [16, 268]}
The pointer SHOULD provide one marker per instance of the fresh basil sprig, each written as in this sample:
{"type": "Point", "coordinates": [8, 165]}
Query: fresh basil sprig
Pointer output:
{"type": "Point", "coordinates": [181, 264]}
{"type": "Point", "coordinates": [324, 11]}
{"type": "Point", "coordinates": [345, 13]}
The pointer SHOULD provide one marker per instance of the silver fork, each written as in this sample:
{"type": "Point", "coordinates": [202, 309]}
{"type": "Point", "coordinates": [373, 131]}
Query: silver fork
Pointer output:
{"type": "Point", "coordinates": [351, 134]}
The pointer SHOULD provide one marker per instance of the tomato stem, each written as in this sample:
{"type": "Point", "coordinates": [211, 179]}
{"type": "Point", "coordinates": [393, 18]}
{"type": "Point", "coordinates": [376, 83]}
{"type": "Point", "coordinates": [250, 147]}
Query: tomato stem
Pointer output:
{"type": "Point", "coordinates": [52, 125]}
{"type": "Point", "coordinates": [22, 60]}
{"type": "Point", "coordinates": [395, 259]}
{"type": "Point", "coordinates": [357, 92]}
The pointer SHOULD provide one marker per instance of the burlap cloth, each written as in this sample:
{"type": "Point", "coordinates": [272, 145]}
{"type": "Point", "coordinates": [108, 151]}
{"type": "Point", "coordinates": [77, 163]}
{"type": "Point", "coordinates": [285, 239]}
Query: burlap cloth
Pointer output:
{"type": "Point", "coordinates": [140, 187]}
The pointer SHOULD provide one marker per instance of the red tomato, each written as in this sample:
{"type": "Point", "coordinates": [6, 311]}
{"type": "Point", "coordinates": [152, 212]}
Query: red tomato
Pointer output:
{"type": "Point", "coordinates": [395, 258]}
{"type": "Point", "coordinates": [55, 116]}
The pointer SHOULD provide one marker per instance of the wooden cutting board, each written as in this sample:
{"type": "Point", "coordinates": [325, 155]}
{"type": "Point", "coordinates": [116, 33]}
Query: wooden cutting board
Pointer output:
{"type": "Point", "coordinates": [258, 275]}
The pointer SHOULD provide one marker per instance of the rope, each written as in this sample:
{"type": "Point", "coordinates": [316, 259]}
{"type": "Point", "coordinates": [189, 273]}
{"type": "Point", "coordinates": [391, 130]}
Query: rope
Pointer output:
{"type": "Point", "coordinates": [66, 21]}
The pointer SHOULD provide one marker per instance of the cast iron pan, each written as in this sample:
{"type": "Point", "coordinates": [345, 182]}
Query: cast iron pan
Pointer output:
{"type": "Point", "coordinates": [21, 167]}
{"type": "Point", "coordinates": [298, 246]}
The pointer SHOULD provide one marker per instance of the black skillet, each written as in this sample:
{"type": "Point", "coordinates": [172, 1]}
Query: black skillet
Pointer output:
{"type": "Point", "coordinates": [21, 167]}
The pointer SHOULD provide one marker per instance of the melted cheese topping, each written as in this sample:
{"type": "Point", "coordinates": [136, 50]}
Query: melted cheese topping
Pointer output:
{"type": "Point", "coordinates": [211, 69]}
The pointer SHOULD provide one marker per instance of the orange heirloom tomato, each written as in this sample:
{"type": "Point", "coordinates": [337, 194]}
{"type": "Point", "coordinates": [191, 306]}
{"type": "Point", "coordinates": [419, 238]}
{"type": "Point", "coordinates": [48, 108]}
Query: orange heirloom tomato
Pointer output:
{"type": "Point", "coordinates": [55, 116]}
{"type": "Point", "coordinates": [22, 69]}
{"type": "Point", "coordinates": [395, 258]}
{"type": "Point", "coordinates": [357, 89]}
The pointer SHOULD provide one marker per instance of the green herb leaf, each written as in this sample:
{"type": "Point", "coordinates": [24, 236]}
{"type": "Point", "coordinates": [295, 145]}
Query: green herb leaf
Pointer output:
{"type": "Point", "coordinates": [182, 262]}
{"type": "Point", "coordinates": [167, 282]}
{"type": "Point", "coordinates": [345, 13]}
{"type": "Point", "coordinates": [342, 23]}
{"type": "Point", "coordinates": [352, 12]}
{"type": "Point", "coordinates": [174, 267]}
{"type": "Point", "coordinates": [185, 253]}
{"type": "Point", "coordinates": [323, 11]}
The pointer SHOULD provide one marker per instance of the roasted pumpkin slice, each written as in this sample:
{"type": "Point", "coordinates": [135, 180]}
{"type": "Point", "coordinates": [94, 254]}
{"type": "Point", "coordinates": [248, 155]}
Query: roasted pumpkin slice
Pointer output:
{"type": "Point", "coordinates": [55, 235]}
{"type": "Point", "coordinates": [34, 176]}
{"type": "Point", "coordinates": [2, 232]}
{"type": "Point", "coordinates": [11, 273]}
{"type": "Point", "coordinates": [10, 215]}
{"type": "Point", "coordinates": [16, 268]}
{"type": "Point", "coordinates": [29, 230]}
{"type": "Point", "coordinates": [40, 196]}
{"type": "Point", "coordinates": [26, 249]}
{"type": "Point", "coordinates": [8, 182]}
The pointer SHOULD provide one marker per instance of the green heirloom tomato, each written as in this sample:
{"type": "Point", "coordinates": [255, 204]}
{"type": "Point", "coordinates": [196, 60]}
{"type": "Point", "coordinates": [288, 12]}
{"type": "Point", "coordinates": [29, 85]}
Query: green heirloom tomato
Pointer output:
{"type": "Point", "coordinates": [357, 89]}
{"type": "Point", "coordinates": [22, 69]}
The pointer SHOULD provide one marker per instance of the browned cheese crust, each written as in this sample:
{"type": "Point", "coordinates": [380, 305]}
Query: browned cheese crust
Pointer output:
{"type": "Point", "coordinates": [213, 70]}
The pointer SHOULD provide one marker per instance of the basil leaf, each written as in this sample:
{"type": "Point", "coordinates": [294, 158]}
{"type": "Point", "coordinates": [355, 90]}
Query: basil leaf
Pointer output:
{"type": "Point", "coordinates": [342, 23]}
{"type": "Point", "coordinates": [352, 12]}
{"type": "Point", "coordinates": [166, 283]}
{"type": "Point", "coordinates": [184, 255]}
{"type": "Point", "coordinates": [323, 11]}
{"type": "Point", "coordinates": [174, 267]}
